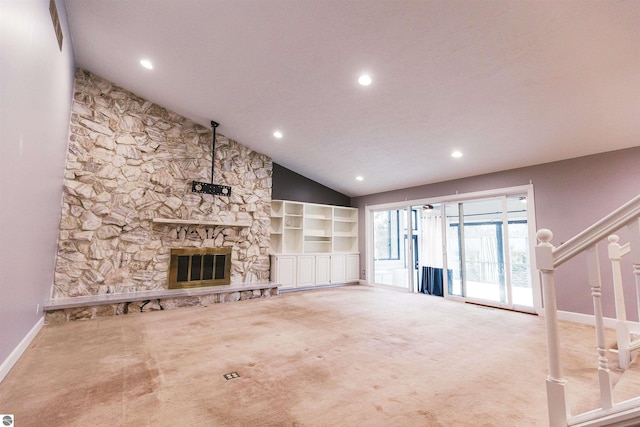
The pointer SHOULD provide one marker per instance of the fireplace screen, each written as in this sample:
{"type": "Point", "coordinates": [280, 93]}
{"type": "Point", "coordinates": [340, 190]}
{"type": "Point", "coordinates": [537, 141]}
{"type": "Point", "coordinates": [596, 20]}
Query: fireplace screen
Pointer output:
{"type": "Point", "coordinates": [193, 267]}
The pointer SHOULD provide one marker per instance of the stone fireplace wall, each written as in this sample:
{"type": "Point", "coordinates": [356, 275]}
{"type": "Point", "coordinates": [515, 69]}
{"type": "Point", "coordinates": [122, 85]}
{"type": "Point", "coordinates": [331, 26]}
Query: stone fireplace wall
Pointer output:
{"type": "Point", "coordinates": [130, 161]}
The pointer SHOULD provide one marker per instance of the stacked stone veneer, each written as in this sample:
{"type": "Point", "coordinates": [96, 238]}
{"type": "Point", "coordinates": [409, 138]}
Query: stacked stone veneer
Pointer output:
{"type": "Point", "coordinates": [130, 161]}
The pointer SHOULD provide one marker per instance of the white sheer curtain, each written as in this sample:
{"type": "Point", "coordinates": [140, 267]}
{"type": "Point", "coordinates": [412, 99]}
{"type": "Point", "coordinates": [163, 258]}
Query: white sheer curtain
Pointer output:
{"type": "Point", "coordinates": [431, 239]}
{"type": "Point", "coordinates": [489, 259]}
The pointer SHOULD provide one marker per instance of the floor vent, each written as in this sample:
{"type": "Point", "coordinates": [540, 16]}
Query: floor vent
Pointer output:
{"type": "Point", "coordinates": [231, 376]}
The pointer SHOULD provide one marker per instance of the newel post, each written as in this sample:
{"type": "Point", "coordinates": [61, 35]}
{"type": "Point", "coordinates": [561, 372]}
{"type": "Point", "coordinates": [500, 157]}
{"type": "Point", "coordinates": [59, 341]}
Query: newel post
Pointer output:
{"type": "Point", "coordinates": [556, 396]}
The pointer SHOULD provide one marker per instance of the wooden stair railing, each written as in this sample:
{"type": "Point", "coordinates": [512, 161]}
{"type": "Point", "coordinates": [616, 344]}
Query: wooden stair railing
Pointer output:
{"type": "Point", "coordinates": [548, 259]}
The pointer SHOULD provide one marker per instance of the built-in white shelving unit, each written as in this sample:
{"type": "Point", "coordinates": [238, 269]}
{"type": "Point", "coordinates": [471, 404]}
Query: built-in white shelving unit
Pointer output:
{"type": "Point", "coordinates": [320, 242]}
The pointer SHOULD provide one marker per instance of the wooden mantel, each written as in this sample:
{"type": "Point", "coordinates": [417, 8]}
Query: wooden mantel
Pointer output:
{"type": "Point", "coordinates": [200, 222]}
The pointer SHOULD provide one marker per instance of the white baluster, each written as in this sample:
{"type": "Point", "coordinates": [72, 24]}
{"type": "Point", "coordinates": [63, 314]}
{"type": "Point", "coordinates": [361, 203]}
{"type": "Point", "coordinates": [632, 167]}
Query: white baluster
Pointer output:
{"type": "Point", "coordinates": [634, 244]}
{"type": "Point", "coordinates": [593, 268]}
{"type": "Point", "coordinates": [614, 256]}
{"type": "Point", "coordinates": [556, 394]}
{"type": "Point", "coordinates": [622, 330]}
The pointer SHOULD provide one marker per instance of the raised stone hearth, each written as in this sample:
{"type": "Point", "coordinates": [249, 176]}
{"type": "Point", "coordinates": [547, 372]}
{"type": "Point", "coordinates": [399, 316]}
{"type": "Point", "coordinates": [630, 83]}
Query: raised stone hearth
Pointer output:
{"type": "Point", "coordinates": [62, 310]}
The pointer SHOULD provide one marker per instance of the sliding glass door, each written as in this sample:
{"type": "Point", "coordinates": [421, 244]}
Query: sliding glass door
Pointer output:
{"type": "Point", "coordinates": [476, 249]}
{"type": "Point", "coordinates": [488, 251]}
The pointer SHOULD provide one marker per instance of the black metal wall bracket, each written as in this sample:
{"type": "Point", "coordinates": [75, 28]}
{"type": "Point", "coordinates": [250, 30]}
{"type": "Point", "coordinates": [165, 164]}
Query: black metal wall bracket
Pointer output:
{"type": "Point", "coordinates": [211, 188]}
{"type": "Point", "coordinates": [206, 188]}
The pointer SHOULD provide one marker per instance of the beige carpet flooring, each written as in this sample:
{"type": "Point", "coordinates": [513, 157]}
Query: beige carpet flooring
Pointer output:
{"type": "Point", "coordinates": [350, 356]}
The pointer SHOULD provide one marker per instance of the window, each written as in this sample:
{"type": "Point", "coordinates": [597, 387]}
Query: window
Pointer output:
{"type": "Point", "coordinates": [387, 235]}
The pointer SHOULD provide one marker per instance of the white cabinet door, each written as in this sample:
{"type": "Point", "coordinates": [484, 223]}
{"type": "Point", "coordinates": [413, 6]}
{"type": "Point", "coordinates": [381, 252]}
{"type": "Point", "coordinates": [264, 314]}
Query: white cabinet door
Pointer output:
{"type": "Point", "coordinates": [306, 270]}
{"type": "Point", "coordinates": [323, 269]}
{"type": "Point", "coordinates": [337, 268]}
{"type": "Point", "coordinates": [283, 270]}
{"type": "Point", "coordinates": [353, 267]}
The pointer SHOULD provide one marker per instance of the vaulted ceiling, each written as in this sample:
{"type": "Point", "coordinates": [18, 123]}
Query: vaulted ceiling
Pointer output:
{"type": "Point", "coordinates": [509, 83]}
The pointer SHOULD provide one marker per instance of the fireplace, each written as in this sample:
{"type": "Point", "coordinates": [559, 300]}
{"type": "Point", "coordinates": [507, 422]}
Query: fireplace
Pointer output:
{"type": "Point", "coordinates": [195, 267]}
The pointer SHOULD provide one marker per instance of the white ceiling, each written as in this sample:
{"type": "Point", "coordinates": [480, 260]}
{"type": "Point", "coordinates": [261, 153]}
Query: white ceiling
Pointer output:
{"type": "Point", "coordinates": [509, 83]}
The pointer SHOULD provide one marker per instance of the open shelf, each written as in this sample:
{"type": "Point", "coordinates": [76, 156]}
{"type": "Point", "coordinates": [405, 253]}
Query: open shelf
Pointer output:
{"type": "Point", "coordinates": [318, 211]}
{"type": "Point", "coordinates": [276, 209]}
{"type": "Point", "coordinates": [293, 221]}
{"type": "Point", "coordinates": [317, 244]}
{"type": "Point", "coordinates": [293, 208]}
{"type": "Point", "coordinates": [345, 228]}
{"type": "Point", "coordinates": [276, 225]}
{"type": "Point", "coordinates": [345, 214]}
{"type": "Point", "coordinates": [317, 227]}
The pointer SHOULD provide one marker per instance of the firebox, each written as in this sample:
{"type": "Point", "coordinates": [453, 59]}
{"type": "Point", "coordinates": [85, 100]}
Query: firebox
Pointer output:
{"type": "Point", "coordinates": [194, 267]}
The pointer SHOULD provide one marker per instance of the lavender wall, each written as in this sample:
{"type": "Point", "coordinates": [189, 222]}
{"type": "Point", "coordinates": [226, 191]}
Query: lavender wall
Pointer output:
{"type": "Point", "coordinates": [570, 195]}
{"type": "Point", "coordinates": [36, 81]}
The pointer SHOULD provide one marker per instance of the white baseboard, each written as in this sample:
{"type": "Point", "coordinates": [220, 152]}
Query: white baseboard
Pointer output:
{"type": "Point", "coordinates": [8, 363]}
{"type": "Point", "coordinates": [390, 287]}
{"type": "Point", "coordinates": [587, 319]}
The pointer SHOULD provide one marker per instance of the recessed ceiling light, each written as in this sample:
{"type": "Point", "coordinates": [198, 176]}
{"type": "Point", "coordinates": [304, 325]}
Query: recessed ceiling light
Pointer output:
{"type": "Point", "coordinates": [359, 178]}
{"type": "Point", "coordinates": [277, 134]}
{"type": "Point", "coordinates": [146, 64]}
{"type": "Point", "coordinates": [365, 80]}
{"type": "Point", "coordinates": [456, 154]}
